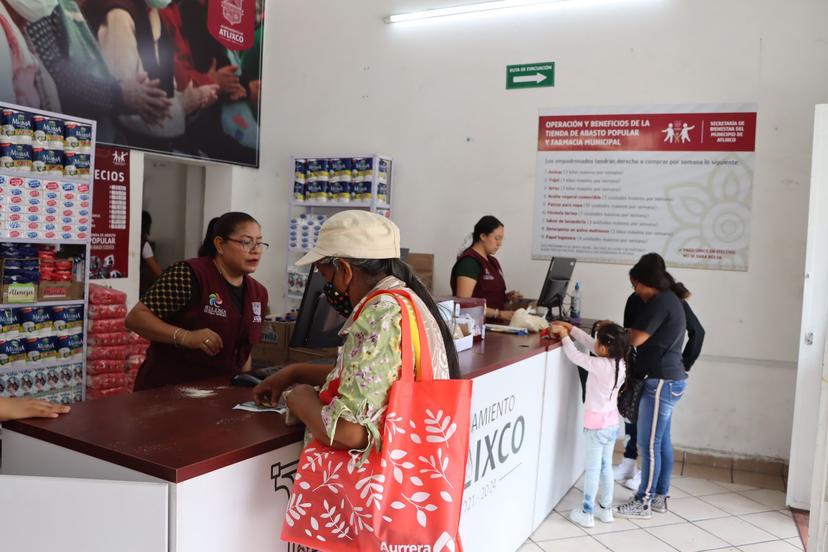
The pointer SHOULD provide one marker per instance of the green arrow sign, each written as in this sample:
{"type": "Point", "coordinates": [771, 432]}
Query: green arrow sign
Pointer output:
{"type": "Point", "coordinates": [530, 75]}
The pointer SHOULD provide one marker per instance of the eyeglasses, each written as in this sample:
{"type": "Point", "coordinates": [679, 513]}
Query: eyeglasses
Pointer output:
{"type": "Point", "coordinates": [250, 245]}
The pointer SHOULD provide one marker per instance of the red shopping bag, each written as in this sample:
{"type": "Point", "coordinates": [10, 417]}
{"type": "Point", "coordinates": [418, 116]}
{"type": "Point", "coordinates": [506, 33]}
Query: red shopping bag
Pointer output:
{"type": "Point", "coordinates": [410, 493]}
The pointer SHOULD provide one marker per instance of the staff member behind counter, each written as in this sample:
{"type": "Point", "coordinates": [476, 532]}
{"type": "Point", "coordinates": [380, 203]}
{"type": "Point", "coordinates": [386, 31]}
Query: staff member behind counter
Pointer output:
{"type": "Point", "coordinates": [203, 315]}
{"type": "Point", "coordinates": [478, 274]}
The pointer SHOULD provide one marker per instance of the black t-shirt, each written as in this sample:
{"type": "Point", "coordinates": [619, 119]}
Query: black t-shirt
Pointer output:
{"type": "Point", "coordinates": [660, 356]}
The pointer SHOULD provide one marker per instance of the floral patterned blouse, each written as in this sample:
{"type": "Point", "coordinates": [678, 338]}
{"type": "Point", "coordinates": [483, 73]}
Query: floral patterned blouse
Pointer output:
{"type": "Point", "coordinates": [370, 361]}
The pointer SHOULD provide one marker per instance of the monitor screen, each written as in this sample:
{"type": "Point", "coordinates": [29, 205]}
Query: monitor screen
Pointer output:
{"type": "Point", "coordinates": [318, 324]}
{"type": "Point", "coordinates": [556, 282]}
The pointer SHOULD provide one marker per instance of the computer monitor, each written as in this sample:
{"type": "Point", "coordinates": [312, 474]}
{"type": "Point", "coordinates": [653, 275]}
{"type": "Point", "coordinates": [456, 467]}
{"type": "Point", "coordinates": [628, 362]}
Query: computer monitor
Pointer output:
{"type": "Point", "coordinates": [554, 286]}
{"type": "Point", "coordinates": [318, 324]}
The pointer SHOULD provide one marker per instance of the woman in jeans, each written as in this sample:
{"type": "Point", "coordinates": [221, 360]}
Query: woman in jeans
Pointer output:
{"type": "Point", "coordinates": [657, 333]}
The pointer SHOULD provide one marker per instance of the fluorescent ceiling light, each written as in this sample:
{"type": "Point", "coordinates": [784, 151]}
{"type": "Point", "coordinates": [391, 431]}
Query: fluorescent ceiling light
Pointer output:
{"type": "Point", "coordinates": [465, 9]}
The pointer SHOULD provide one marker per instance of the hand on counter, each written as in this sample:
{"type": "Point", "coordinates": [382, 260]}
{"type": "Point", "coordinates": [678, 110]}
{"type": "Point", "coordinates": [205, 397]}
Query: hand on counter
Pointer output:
{"type": "Point", "coordinates": [205, 339]}
{"type": "Point", "coordinates": [268, 392]}
{"type": "Point", "coordinates": [560, 329]}
{"type": "Point", "coordinates": [18, 409]}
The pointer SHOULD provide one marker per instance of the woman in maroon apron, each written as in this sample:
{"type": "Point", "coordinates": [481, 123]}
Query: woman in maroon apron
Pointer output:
{"type": "Point", "coordinates": [478, 274]}
{"type": "Point", "coordinates": [203, 315]}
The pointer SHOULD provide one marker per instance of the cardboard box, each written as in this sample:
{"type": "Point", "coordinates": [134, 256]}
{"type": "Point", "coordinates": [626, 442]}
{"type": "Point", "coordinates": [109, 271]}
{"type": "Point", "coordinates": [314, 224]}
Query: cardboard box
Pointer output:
{"type": "Point", "coordinates": [273, 348]}
{"type": "Point", "coordinates": [59, 291]}
{"type": "Point", "coordinates": [19, 293]}
{"type": "Point", "coordinates": [423, 266]}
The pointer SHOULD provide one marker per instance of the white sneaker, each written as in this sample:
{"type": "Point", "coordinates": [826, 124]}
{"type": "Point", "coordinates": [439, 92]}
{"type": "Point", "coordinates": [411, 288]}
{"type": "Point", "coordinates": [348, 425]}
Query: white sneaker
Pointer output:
{"type": "Point", "coordinates": [625, 470]}
{"type": "Point", "coordinates": [634, 482]}
{"type": "Point", "coordinates": [579, 517]}
{"type": "Point", "coordinates": [604, 514]}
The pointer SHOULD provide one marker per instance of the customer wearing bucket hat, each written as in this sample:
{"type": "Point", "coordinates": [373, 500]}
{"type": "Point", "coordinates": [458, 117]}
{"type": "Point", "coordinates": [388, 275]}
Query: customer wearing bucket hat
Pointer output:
{"type": "Point", "coordinates": [358, 254]}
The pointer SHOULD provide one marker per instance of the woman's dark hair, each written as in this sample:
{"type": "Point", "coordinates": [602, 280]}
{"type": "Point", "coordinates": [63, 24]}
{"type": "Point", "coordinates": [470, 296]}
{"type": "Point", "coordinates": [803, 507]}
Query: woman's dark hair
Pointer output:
{"type": "Point", "coordinates": [146, 224]}
{"type": "Point", "coordinates": [651, 271]}
{"type": "Point", "coordinates": [486, 225]}
{"type": "Point", "coordinates": [380, 268]}
{"type": "Point", "coordinates": [222, 227]}
{"type": "Point", "coordinates": [617, 342]}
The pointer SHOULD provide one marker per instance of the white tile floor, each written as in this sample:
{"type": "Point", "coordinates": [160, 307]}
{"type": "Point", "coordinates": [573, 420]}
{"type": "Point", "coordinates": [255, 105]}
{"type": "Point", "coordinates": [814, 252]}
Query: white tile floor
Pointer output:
{"type": "Point", "coordinates": [704, 515]}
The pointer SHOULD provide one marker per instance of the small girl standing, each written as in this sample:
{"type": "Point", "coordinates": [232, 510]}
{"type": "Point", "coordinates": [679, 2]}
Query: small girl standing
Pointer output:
{"type": "Point", "coordinates": [606, 374]}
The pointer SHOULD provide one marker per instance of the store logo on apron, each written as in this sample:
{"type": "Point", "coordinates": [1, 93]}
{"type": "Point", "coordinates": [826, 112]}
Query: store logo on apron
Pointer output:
{"type": "Point", "coordinates": [214, 306]}
{"type": "Point", "coordinates": [488, 275]}
{"type": "Point", "coordinates": [257, 311]}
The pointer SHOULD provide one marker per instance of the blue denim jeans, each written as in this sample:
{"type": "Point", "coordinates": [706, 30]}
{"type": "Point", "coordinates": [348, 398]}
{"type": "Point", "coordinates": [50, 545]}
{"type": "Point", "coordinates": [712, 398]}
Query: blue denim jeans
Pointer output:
{"type": "Point", "coordinates": [655, 415]}
{"type": "Point", "coordinates": [598, 478]}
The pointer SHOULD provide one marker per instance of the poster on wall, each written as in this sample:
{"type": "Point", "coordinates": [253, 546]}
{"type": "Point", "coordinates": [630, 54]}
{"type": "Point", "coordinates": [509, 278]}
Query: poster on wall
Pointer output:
{"type": "Point", "coordinates": [110, 214]}
{"type": "Point", "coordinates": [615, 183]}
{"type": "Point", "coordinates": [194, 92]}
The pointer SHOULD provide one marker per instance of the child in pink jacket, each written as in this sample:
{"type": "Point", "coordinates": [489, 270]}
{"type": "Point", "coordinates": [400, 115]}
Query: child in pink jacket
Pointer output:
{"type": "Point", "coordinates": [601, 418]}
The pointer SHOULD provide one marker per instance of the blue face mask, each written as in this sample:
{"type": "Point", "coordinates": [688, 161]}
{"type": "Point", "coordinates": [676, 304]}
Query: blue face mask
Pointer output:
{"type": "Point", "coordinates": [338, 300]}
{"type": "Point", "coordinates": [158, 4]}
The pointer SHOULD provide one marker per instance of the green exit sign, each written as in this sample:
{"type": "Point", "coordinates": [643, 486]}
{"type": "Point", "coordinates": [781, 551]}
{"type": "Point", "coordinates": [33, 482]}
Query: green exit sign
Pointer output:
{"type": "Point", "coordinates": [530, 75]}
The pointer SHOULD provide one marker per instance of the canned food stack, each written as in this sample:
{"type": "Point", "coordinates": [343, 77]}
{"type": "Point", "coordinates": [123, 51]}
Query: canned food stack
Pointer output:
{"type": "Point", "coordinates": [44, 145]}
{"type": "Point", "coordinates": [41, 353]}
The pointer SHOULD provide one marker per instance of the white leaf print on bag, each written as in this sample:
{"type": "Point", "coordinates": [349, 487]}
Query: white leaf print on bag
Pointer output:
{"type": "Point", "coordinates": [436, 466]}
{"type": "Point", "coordinates": [371, 490]}
{"type": "Point", "coordinates": [437, 424]}
{"type": "Point", "coordinates": [296, 508]}
{"type": "Point", "coordinates": [393, 425]}
{"type": "Point", "coordinates": [329, 477]}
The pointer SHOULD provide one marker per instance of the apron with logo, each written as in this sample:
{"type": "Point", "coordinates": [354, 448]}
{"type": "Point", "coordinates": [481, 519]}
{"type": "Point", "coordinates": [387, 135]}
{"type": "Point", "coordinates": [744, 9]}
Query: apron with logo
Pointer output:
{"type": "Point", "coordinates": [214, 309]}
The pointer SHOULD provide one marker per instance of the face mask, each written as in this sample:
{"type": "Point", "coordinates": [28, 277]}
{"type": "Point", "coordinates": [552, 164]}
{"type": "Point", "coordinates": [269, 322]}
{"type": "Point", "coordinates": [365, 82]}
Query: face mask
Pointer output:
{"type": "Point", "coordinates": [339, 301]}
{"type": "Point", "coordinates": [158, 4]}
{"type": "Point", "coordinates": [33, 10]}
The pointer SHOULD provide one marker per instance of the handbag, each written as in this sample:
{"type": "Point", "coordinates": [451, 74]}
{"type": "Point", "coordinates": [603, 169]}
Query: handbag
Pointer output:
{"type": "Point", "coordinates": [409, 494]}
{"type": "Point", "coordinates": [629, 396]}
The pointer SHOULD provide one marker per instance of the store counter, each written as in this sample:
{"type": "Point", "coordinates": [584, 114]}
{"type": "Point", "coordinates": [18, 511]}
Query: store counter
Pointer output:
{"type": "Point", "coordinates": [221, 478]}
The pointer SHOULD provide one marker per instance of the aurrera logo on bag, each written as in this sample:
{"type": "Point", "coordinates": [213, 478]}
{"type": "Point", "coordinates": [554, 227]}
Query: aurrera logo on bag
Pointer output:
{"type": "Point", "coordinates": [444, 544]}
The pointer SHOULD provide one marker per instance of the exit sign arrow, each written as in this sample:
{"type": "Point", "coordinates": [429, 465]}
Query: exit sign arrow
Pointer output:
{"type": "Point", "coordinates": [536, 78]}
{"type": "Point", "coordinates": [530, 75]}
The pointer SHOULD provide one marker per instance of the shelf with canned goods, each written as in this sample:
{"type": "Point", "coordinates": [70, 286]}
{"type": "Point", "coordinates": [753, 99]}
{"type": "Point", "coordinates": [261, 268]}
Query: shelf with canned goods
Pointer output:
{"type": "Point", "coordinates": [46, 190]}
{"type": "Point", "coordinates": [323, 185]}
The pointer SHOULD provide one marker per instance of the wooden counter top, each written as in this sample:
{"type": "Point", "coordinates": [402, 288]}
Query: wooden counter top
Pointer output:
{"type": "Point", "coordinates": [499, 350]}
{"type": "Point", "coordinates": [177, 433]}
{"type": "Point", "coordinates": [173, 433]}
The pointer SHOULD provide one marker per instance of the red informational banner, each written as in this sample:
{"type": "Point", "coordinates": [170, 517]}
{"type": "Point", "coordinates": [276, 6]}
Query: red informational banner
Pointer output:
{"type": "Point", "coordinates": [110, 214]}
{"type": "Point", "coordinates": [232, 22]}
{"type": "Point", "coordinates": [662, 132]}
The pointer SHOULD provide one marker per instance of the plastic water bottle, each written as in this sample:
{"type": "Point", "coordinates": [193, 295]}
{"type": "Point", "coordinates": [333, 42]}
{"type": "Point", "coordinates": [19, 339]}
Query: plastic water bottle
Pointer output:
{"type": "Point", "coordinates": [575, 305]}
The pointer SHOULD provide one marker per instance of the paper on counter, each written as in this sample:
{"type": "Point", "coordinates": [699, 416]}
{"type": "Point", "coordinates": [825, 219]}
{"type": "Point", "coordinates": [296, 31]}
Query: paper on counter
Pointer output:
{"type": "Point", "coordinates": [251, 406]}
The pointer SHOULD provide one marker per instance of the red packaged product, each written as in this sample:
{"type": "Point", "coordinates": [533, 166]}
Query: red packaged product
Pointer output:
{"type": "Point", "coordinates": [63, 264]}
{"type": "Point", "coordinates": [96, 311]}
{"type": "Point", "coordinates": [100, 295]}
{"type": "Point", "coordinates": [106, 325]}
{"type": "Point", "coordinates": [135, 338]}
{"type": "Point", "coordinates": [95, 367]}
{"type": "Point", "coordinates": [137, 348]}
{"type": "Point", "coordinates": [92, 394]}
{"type": "Point", "coordinates": [107, 381]}
{"type": "Point", "coordinates": [114, 352]}
{"type": "Point", "coordinates": [134, 362]}
{"type": "Point", "coordinates": [106, 339]}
